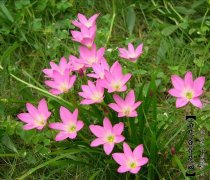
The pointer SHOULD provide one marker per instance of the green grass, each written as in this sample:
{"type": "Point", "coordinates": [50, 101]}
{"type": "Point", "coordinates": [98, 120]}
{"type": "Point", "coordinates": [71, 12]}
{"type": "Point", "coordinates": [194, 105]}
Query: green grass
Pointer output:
{"type": "Point", "coordinates": [32, 33]}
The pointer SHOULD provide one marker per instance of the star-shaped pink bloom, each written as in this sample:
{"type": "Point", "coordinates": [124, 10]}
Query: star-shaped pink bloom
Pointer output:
{"type": "Point", "coordinates": [69, 126]}
{"type": "Point", "coordinates": [186, 90]}
{"type": "Point", "coordinates": [61, 83]}
{"type": "Point", "coordinates": [76, 64]}
{"type": "Point", "coordinates": [114, 79]}
{"type": "Point", "coordinates": [99, 69]}
{"type": "Point", "coordinates": [36, 117]}
{"type": "Point", "coordinates": [89, 56]}
{"type": "Point", "coordinates": [131, 54]}
{"type": "Point", "coordinates": [107, 135]}
{"type": "Point", "coordinates": [61, 68]}
{"type": "Point", "coordinates": [93, 93]}
{"type": "Point", "coordinates": [83, 21]}
{"type": "Point", "coordinates": [125, 107]}
{"type": "Point", "coordinates": [86, 36]}
{"type": "Point", "coordinates": [130, 161]}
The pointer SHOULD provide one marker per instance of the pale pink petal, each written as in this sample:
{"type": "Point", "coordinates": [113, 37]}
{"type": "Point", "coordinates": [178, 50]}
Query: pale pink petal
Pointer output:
{"type": "Point", "coordinates": [136, 170]}
{"type": "Point", "coordinates": [115, 107]}
{"type": "Point", "coordinates": [97, 142]}
{"type": "Point", "coordinates": [136, 105]}
{"type": "Point", "coordinates": [25, 117]}
{"type": "Point", "coordinates": [61, 136]}
{"type": "Point", "coordinates": [180, 102]}
{"type": "Point", "coordinates": [130, 98]}
{"type": "Point", "coordinates": [188, 80]}
{"type": "Point", "coordinates": [175, 92]}
{"type": "Point", "coordinates": [82, 18]}
{"type": "Point", "coordinates": [119, 139]}
{"type": "Point", "coordinates": [108, 148]}
{"type": "Point", "coordinates": [32, 110]}
{"type": "Point", "coordinates": [122, 169]}
{"type": "Point", "coordinates": [139, 50]}
{"type": "Point", "coordinates": [93, 18]}
{"type": "Point", "coordinates": [29, 126]}
{"type": "Point", "coordinates": [196, 102]}
{"type": "Point", "coordinates": [75, 115]}
{"type": "Point", "coordinates": [199, 83]}
{"type": "Point", "coordinates": [197, 93]}
{"type": "Point", "coordinates": [43, 109]}
{"type": "Point", "coordinates": [79, 125]}
{"type": "Point", "coordinates": [131, 49]}
{"type": "Point", "coordinates": [177, 82]}
{"type": "Point", "coordinates": [118, 128]}
{"type": "Point", "coordinates": [125, 78]}
{"type": "Point", "coordinates": [87, 101]}
{"type": "Point", "coordinates": [127, 150]}
{"type": "Point", "coordinates": [72, 135]}
{"type": "Point", "coordinates": [55, 91]}
{"type": "Point", "coordinates": [138, 151]}
{"type": "Point", "coordinates": [120, 102]}
{"type": "Point", "coordinates": [142, 161]}
{"type": "Point", "coordinates": [65, 115]}
{"type": "Point", "coordinates": [119, 158]}
{"type": "Point", "coordinates": [57, 126]}
{"type": "Point", "coordinates": [98, 131]}
{"type": "Point", "coordinates": [133, 114]}
{"type": "Point", "coordinates": [116, 68]}
{"type": "Point", "coordinates": [107, 124]}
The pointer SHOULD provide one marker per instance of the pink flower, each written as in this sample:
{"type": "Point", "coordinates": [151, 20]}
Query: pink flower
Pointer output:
{"type": "Point", "coordinates": [61, 83]}
{"type": "Point", "coordinates": [187, 90]}
{"type": "Point", "coordinates": [91, 55]}
{"type": "Point", "coordinates": [36, 117]}
{"type": "Point", "coordinates": [130, 160]}
{"type": "Point", "coordinates": [92, 93]}
{"type": "Point", "coordinates": [114, 79]}
{"type": "Point", "coordinates": [83, 21]}
{"type": "Point", "coordinates": [63, 65]}
{"type": "Point", "coordinates": [99, 69]}
{"type": "Point", "coordinates": [86, 36]}
{"type": "Point", "coordinates": [107, 135]}
{"type": "Point", "coordinates": [69, 126]}
{"type": "Point", "coordinates": [76, 64]}
{"type": "Point", "coordinates": [125, 107]}
{"type": "Point", "coordinates": [131, 54]}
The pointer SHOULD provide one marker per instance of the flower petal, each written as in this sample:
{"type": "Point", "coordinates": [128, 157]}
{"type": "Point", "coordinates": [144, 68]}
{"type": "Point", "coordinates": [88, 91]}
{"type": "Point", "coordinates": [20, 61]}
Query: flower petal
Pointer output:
{"type": "Point", "coordinates": [98, 131]}
{"type": "Point", "coordinates": [177, 82]}
{"type": "Point", "coordinates": [119, 158]}
{"type": "Point", "coordinates": [118, 128]}
{"type": "Point", "coordinates": [127, 150]}
{"type": "Point", "coordinates": [196, 102]}
{"type": "Point", "coordinates": [97, 142]}
{"type": "Point", "coordinates": [108, 148]}
{"type": "Point", "coordinates": [180, 102]}
{"type": "Point", "coordinates": [61, 136]}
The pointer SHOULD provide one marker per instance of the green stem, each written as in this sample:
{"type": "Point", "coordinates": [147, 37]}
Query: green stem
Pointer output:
{"type": "Point", "coordinates": [112, 23]}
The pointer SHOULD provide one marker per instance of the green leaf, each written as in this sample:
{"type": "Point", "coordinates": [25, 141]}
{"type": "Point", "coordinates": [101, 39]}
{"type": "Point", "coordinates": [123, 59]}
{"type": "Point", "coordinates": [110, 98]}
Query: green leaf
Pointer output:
{"type": "Point", "coordinates": [130, 19]}
{"type": "Point", "coordinates": [8, 143]}
{"type": "Point", "coordinates": [169, 30]}
{"type": "Point", "coordinates": [6, 12]}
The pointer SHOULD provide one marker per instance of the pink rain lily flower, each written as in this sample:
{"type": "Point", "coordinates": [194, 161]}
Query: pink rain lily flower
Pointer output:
{"type": "Point", "coordinates": [130, 161]}
{"type": "Point", "coordinates": [83, 21]}
{"type": "Point", "coordinates": [99, 69]}
{"type": "Point", "coordinates": [76, 64]}
{"type": "Point", "coordinates": [186, 90]}
{"type": "Point", "coordinates": [36, 117]}
{"type": "Point", "coordinates": [93, 93]}
{"type": "Point", "coordinates": [91, 55]}
{"type": "Point", "coordinates": [131, 54]}
{"type": "Point", "coordinates": [61, 83]}
{"type": "Point", "coordinates": [86, 36]}
{"type": "Point", "coordinates": [107, 135]}
{"type": "Point", "coordinates": [69, 126]}
{"type": "Point", "coordinates": [114, 79]}
{"type": "Point", "coordinates": [125, 107]}
{"type": "Point", "coordinates": [63, 65]}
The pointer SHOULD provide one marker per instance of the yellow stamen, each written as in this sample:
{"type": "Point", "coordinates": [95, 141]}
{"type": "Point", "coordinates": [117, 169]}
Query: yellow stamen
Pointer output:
{"type": "Point", "coordinates": [110, 139]}
{"type": "Point", "coordinates": [189, 95]}
{"type": "Point", "coordinates": [132, 165]}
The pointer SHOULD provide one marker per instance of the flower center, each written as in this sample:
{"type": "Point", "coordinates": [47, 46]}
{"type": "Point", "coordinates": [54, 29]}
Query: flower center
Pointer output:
{"type": "Point", "coordinates": [97, 97]}
{"type": "Point", "coordinates": [63, 87]}
{"type": "Point", "coordinates": [189, 95]}
{"type": "Point", "coordinates": [72, 129]}
{"type": "Point", "coordinates": [132, 165]}
{"type": "Point", "coordinates": [92, 60]}
{"type": "Point", "coordinates": [127, 111]}
{"type": "Point", "coordinates": [110, 139]}
{"type": "Point", "coordinates": [40, 121]}
{"type": "Point", "coordinates": [117, 86]}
